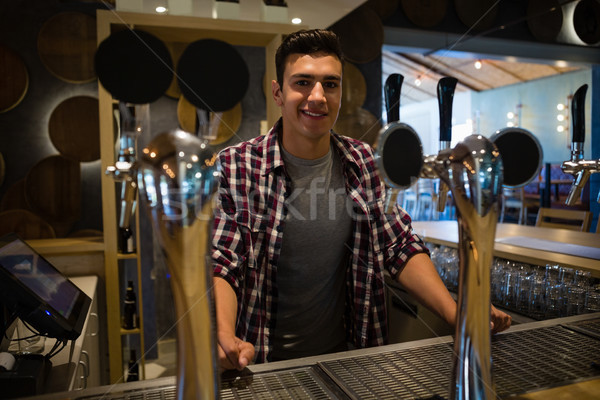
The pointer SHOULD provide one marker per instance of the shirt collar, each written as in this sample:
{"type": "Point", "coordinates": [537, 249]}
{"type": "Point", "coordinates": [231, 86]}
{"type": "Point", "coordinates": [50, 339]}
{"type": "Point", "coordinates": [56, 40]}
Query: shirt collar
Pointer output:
{"type": "Point", "coordinates": [274, 158]}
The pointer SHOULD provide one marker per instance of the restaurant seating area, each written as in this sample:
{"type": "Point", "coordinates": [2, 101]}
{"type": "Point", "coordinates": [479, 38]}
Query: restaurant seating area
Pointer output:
{"type": "Point", "coordinates": [527, 205]}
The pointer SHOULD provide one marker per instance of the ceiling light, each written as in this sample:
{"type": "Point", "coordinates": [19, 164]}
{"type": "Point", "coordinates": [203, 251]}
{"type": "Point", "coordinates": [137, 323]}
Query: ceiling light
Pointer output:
{"type": "Point", "coordinates": [161, 9]}
{"type": "Point", "coordinates": [418, 81]}
{"type": "Point", "coordinates": [478, 64]}
{"type": "Point", "coordinates": [296, 21]}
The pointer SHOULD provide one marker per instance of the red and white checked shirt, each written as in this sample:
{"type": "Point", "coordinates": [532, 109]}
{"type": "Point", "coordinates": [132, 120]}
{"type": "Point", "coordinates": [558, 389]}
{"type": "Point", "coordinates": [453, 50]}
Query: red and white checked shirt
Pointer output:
{"type": "Point", "coordinates": [248, 227]}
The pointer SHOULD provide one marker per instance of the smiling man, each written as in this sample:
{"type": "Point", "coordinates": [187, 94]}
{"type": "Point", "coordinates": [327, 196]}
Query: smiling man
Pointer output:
{"type": "Point", "coordinates": [301, 239]}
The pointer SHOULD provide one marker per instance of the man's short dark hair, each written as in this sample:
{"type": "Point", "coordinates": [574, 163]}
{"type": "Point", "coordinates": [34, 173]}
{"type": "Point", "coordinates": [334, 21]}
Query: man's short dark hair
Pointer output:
{"type": "Point", "coordinates": [307, 42]}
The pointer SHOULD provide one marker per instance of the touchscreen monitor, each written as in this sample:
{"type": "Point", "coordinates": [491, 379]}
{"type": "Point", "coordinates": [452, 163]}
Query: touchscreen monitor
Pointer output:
{"type": "Point", "coordinates": [38, 293]}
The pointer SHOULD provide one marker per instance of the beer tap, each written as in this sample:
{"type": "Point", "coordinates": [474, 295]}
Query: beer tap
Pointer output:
{"type": "Point", "coordinates": [445, 94]}
{"type": "Point", "coordinates": [577, 166]}
{"type": "Point", "coordinates": [133, 118]}
{"type": "Point", "coordinates": [474, 171]}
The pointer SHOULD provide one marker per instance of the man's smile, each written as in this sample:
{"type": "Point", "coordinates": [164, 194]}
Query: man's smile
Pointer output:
{"type": "Point", "coordinates": [313, 113]}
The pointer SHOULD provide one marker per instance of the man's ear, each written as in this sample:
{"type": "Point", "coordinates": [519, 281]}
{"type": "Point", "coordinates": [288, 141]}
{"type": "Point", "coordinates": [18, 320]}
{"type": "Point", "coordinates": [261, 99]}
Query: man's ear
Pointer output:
{"type": "Point", "coordinates": [276, 91]}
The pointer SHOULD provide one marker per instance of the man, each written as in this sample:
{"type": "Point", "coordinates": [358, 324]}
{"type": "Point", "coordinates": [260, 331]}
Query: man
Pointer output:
{"type": "Point", "coordinates": [301, 238]}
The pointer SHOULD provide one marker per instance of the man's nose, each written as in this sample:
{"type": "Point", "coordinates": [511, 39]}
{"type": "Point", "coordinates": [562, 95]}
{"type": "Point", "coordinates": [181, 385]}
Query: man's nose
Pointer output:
{"type": "Point", "coordinates": [317, 93]}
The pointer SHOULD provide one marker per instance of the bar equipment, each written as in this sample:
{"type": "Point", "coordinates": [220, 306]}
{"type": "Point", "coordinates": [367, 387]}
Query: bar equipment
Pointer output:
{"type": "Point", "coordinates": [580, 168]}
{"type": "Point", "coordinates": [474, 171]}
{"type": "Point", "coordinates": [178, 176]}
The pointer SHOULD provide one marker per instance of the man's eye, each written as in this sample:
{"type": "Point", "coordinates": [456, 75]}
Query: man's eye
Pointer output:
{"type": "Point", "coordinates": [331, 85]}
{"type": "Point", "coordinates": [302, 83]}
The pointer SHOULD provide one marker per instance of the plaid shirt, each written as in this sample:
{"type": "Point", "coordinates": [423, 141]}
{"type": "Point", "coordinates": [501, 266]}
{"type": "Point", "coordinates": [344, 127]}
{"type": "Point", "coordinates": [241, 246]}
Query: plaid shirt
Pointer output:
{"type": "Point", "coordinates": [247, 239]}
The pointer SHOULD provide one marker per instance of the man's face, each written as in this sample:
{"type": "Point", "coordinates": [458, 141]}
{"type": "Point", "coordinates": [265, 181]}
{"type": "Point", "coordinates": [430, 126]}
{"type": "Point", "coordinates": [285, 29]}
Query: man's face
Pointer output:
{"type": "Point", "coordinates": [311, 94]}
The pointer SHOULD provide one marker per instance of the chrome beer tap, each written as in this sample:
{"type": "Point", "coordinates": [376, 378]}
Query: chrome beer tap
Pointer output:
{"type": "Point", "coordinates": [177, 177]}
{"type": "Point", "coordinates": [474, 171]}
{"type": "Point", "coordinates": [577, 166]}
{"type": "Point", "coordinates": [133, 120]}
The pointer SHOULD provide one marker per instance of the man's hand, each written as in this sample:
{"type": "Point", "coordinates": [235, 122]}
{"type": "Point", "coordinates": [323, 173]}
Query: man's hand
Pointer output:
{"type": "Point", "coordinates": [500, 320]}
{"type": "Point", "coordinates": [234, 353]}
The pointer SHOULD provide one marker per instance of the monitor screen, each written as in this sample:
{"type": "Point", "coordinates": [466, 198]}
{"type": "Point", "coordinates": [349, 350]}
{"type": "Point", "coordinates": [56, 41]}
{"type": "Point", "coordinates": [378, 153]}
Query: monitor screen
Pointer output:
{"type": "Point", "coordinates": [37, 291]}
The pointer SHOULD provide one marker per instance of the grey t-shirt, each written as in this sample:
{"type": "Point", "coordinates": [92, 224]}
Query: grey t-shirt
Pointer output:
{"type": "Point", "coordinates": [311, 272]}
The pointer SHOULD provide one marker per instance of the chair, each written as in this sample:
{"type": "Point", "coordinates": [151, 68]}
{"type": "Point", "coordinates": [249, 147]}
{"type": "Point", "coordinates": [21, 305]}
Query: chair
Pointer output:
{"type": "Point", "coordinates": [426, 200]}
{"type": "Point", "coordinates": [576, 220]}
{"type": "Point", "coordinates": [514, 199]}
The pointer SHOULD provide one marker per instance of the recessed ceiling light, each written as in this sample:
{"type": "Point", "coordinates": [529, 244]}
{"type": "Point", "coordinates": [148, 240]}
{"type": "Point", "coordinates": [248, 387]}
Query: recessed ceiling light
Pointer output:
{"type": "Point", "coordinates": [296, 21]}
{"type": "Point", "coordinates": [161, 9]}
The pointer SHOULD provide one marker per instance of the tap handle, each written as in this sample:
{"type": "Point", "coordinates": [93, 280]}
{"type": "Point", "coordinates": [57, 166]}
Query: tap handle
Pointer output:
{"type": "Point", "coordinates": [578, 114]}
{"type": "Point", "coordinates": [445, 93]}
{"type": "Point", "coordinates": [393, 87]}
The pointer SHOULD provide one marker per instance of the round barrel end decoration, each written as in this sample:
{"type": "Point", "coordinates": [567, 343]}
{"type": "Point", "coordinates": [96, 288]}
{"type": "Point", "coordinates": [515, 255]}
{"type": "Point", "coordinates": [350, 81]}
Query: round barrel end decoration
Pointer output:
{"type": "Point", "coordinates": [360, 34]}
{"type": "Point", "coordinates": [544, 19]}
{"type": "Point", "coordinates": [25, 224]}
{"type": "Point", "coordinates": [212, 75]}
{"type": "Point", "coordinates": [425, 13]}
{"type": "Point", "coordinates": [478, 15]}
{"type": "Point", "coordinates": [53, 189]}
{"type": "Point", "coordinates": [14, 79]}
{"type": "Point", "coordinates": [74, 128]}
{"type": "Point", "coordinates": [355, 89]}
{"type": "Point", "coordinates": [14, 197]}
{"type": "Point", "coordinates": [66, 45]}
{"type": "Point", "coordinates": [134, 66]}
{"type": "Point", "coordinates": [361, 125]}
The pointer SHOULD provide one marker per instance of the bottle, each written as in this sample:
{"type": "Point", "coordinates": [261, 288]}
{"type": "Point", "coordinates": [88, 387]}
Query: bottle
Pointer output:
{"type": "Point", "coordinates": [126, 243]}
{"type": "Point", "coordinates": [133, 370]}
{"type": "Point", "coordinates": [130, 309]}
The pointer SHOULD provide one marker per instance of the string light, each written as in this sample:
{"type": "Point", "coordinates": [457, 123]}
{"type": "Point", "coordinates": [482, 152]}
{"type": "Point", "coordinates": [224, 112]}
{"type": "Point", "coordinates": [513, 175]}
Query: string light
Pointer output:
{"type": "Point", "coordinates": [562, 116]}
{"type": "Point", "coordinates": [514, 118]}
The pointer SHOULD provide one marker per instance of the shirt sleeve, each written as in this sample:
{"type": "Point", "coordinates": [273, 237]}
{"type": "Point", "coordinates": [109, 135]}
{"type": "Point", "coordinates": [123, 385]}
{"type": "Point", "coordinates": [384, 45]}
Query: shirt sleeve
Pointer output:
{"type": "Point", "coordinates": [227, 245]}
{"type": "Point", "coordinates": [403, 242]}
{"type": "Point", "coordinates": [398, 240]}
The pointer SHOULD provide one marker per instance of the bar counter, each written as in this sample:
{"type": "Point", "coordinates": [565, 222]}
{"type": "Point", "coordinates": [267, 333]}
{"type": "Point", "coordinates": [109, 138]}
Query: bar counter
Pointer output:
{"type": "Point", "coordinates": [528, 244]}
{"type": "Point", "coordinates": [557, 358]}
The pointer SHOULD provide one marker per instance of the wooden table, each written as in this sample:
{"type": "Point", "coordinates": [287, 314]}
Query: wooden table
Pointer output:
{"type": "Point", "coordinates": [446, 233]}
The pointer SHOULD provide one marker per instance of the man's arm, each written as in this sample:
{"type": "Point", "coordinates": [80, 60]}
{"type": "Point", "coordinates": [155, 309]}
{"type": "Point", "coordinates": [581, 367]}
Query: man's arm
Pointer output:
{"type": "Point", "coordinates": [422, 281]}
{"type": "Point", "coordinates": [233, 352]}
{"type": "Point", "coordinates": [420, 278]}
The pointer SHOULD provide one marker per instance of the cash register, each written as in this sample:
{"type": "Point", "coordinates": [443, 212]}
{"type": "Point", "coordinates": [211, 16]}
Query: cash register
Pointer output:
{"type": "Point", "coordinates": [33, 291]}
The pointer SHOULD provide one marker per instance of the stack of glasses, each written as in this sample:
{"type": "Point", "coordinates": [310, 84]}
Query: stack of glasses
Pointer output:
{"type": "Point", "coordinates": [539, 292]}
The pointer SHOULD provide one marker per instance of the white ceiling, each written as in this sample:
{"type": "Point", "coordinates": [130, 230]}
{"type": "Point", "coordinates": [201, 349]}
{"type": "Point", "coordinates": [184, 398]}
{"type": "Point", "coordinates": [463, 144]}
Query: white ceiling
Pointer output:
{"type": "Point", "coordinates": [314, 13]}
